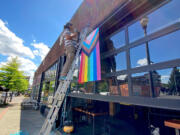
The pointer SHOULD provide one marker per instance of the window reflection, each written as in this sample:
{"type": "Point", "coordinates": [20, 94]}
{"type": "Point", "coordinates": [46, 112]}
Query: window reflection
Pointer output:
{"type": "Point", "coordinates": [114, 63]}
{"type": "Point", "coordinates": [50, 74]}
{"type": "Point", "coordinates": [89, 87]}
{"type": "Point", "coordinates": [86, 88]}
{"type": "Point", "coordinates": [44, 93]}
{"type": "Point", "coordinates": [106, 46]}
{"type": "Point", "coordinates": [168, 85]}
{"type": "Point", "coordinates": [120, 61]}
{"type": "Point", "coordinates": [35, 92]}
{"type": "Point", "coordinates": [123, 84]}
{"type": "Point", "coordinates": [118, 39]}
{"type": "Point", "coordinates": [113, 87]}
{"type": "Point", "coordinates": [166, 14]}
{"type": "Point", "coordinates": [47, 92]}
{"type": "Point", "coordinates": [138, 56]}
{"type": "Point", "coordinates": [82, 88]}
{"type": "Point", "coordinates": [141, 85]}
{"type": "Point", "coordinates": [116, 85]}
{"type": "Point", "coordinates": [135, 31]}
{"type": "Point", "coordinates": [74, 86]}
{"type": "Point", "coordinates": [156, 82]}
{"type": "Point", "coordinates": [109, 85]}
{"type": "Point", "coordinates": [165, 48]}
{"type": "Point", "coordinates": [108, 64]}
{"type": "Point", "coordinates": [103, 87]}
{"type": "Point", "coordinates": [74, 83]}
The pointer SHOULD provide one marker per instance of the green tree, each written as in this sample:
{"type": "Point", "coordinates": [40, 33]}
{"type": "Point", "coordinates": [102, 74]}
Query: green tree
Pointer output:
{"type": "Point", "coordinates": [102, 86]}
{"type": "Point", "coordinates": [12, 78]}
{"type": "Point", "coordinates": [174, 81]}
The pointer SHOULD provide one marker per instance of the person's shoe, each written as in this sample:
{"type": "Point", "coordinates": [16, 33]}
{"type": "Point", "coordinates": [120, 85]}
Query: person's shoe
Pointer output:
{"type": "Point", "coordinates": [62, 78]}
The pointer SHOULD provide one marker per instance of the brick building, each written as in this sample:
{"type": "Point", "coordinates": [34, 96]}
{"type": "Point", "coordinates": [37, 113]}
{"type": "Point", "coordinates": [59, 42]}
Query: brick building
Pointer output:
{"type": "Point", "coordinates": [142, 76]}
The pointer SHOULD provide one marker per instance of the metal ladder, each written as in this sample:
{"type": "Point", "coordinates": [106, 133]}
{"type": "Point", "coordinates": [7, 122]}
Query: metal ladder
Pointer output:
{"type": "Point", "coordinates": [60, 94]}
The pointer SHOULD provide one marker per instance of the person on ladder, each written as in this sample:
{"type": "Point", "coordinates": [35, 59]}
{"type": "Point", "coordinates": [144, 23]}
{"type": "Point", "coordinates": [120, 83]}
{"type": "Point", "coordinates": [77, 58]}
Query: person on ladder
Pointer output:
{"type": "Point", "coordinates": [69, 38]}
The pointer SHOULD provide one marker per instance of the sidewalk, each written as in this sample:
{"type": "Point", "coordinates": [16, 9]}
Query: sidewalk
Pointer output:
{"type": "Point", "coordinates": [14, 120]}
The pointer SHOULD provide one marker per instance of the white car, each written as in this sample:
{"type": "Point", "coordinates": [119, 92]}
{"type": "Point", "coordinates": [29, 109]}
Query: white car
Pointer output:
{"type": "Point", "coordinates": [3, 95]}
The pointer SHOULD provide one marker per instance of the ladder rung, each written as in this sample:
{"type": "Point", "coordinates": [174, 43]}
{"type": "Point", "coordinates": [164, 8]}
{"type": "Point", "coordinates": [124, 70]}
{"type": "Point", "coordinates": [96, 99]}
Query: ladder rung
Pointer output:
{"type": "Point", "coordinates": [57, 106]}
{"type": "Point", "coordinates": [59, 99]}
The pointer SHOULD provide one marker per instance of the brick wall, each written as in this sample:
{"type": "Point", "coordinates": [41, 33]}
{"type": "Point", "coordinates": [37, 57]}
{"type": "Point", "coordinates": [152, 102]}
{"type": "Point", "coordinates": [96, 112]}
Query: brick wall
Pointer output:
{"type": "Point", "coordinates": [90, 12]}
{"type": "Point", "coordinates": [93, 12]}
{"type": "Point", "coordinates": [53, 55]}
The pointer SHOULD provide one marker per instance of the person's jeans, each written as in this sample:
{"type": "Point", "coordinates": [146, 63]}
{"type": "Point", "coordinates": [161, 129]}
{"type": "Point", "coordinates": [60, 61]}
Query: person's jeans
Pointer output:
{"type": "Point", "coordinates": [70, 54]}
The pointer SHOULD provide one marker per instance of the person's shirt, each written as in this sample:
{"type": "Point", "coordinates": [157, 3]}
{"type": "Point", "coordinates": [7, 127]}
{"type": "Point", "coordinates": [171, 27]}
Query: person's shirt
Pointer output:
{"type": "Point", "coordinates": [68, 42]}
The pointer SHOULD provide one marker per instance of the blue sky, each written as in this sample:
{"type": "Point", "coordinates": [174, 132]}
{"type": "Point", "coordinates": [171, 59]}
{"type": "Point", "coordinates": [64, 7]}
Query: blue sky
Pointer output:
{"type": "Point", "coordinates": [29, 28]}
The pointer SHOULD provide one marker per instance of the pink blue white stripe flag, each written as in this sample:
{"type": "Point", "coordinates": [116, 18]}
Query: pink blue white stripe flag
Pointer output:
{"type": "Point", "coordinates": [90, 67]}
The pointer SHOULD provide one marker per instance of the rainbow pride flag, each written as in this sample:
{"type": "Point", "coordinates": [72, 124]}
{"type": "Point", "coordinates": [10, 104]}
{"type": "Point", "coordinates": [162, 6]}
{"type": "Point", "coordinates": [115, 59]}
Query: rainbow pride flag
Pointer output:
{"type": "Point", "coordinates": [90, 66]}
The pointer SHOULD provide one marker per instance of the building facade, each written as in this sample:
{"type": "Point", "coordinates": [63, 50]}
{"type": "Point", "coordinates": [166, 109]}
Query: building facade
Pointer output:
{"type": "Point", "coordinates": [140, 65]}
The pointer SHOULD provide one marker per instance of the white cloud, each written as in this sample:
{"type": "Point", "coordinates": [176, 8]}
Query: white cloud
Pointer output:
{"type": "Point", "coordinates": [41, 49]}
{"type": "Point", "coordinates": [121, 77]}
{"type": "Point", "coordinates": [27, 66]}
{"type": "Point", "coordinates": [36, 52]}
{"type": "Point", "coordinates": [142, 62]}
{"type": "Point", "coordinates": [11, 45]}
{"type": "Point", "coordinates": [165, 78]}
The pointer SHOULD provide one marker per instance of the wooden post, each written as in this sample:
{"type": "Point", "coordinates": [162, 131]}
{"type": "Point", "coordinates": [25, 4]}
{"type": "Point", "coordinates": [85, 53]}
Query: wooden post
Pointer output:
{"type": "Point", "coordinates": [111, 109]}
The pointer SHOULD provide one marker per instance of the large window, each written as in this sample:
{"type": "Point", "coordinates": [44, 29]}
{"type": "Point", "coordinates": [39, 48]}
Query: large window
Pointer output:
{"type": "Point", "coordinates": [167, 83]}
{"type": "Point", "coordinates": [49, 85]}
{"type": "Point", "coordinates": [47, 92]}
{"type": "Point", "coordinates": [35, 92]}
{"type": "Point", "coordinates": [120, 61]}
{"type": "Point", "coordinates": [164, 16]}
{"type": "Point", "coordinates": [135, 32]}
{"type": "Point", "coordinates": [158, 19]}
{"type": "Point", "coordinates": [142, 61]}
{"type": "Point", "coordinates": [118, 40]}
{"type": "Point", "coordinates": [141, 84]}
{"type": "Point", "coordinates": [141, 54]}
{"type": "Point", "coordinates": [165, 48]}
{"type": "Point", "coordinates": [138, 56]}
{"type": "Point", "coordinates": [123, 84]}
{"type": "Point", "coordinates": [50, 74]}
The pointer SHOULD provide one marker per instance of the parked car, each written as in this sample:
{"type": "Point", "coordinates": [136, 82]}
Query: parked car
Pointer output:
{"type": "Point", "coordinates": [3, 95]}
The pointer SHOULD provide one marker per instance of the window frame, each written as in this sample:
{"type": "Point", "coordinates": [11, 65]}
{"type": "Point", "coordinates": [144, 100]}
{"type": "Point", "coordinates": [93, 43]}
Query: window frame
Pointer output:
{"type": "Point", "coordinates": [143, 101]}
